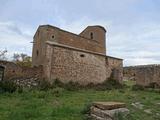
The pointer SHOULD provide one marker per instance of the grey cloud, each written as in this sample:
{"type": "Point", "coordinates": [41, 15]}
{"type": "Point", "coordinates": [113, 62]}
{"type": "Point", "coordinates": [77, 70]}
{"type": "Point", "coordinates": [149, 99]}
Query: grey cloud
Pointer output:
{"type": "Point", "coordinates": [14, 39]}
{"type": "Point", "coordinates": [132, 25]}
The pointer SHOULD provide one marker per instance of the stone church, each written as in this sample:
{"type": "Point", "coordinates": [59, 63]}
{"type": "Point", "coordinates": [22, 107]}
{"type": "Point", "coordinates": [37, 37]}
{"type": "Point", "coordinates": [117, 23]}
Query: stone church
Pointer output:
{"type": "Point", "coordinates": [75, 57]}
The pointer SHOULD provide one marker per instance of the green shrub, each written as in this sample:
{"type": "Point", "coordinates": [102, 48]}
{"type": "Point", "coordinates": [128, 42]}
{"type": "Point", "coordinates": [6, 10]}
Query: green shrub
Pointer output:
{"type": "Point", "coordinates": [109, 85]}
{"type": "Point", "coordinates": [19, 89]}
{"type": "Point", "coordinates": [137, 87]}
{"type": "Point", "coordinates": [112, 83]}
{"type": "Point", "coordinates": [86, 111]}
{"type": "Point", "coordinates": [153, 85]}
{"type": "Point", "coordinates": [72, 86]}
{"type": "Point", "coordinates": [8, 86]}
{"type": "Point", "coordinates": [41, 94]}
{"type": "Point", "coordinates": [44, 85]}
{"type": "Point", "coordinates": [57, 92]}
{"type": "Point", "coordinates": [58, 83]}
{"type": "Point", "coordinates": [90, 85]}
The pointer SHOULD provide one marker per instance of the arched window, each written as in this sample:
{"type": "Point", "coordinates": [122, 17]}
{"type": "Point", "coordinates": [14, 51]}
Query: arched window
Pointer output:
{"type": "Point", "coordinates": [91, 35]}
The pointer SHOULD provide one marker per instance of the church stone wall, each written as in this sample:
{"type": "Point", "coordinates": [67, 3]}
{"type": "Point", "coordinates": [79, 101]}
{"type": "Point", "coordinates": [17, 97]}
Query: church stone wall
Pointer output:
{"type": "Point", "coordinates": [116, 66]}
{"type": "Point", "coordinates": [72, 65]}
{"type": "Point", "coordinates": [81, 42]}
{"type": "Point", "coordinates": [54, 34]}
{"type": "Point", "coordinates": [80, 58]}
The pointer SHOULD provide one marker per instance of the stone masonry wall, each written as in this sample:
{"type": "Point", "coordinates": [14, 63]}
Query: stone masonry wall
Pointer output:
{"type": "Point", "coordinates": [83, 59]}
{"type": "Point", "coordinates": [116, 66]}
{"type": "Point", "coordinates": [81, 42]}
{"type": "Point", "coordinates": [71, 65]}
{"type": "Point", "coordinates": [129, 73]}
{"type": "Point", "coordinates": [144, 75]}
{"type": "Point", "coordinates": [14, 71]}
{"type": "Point", "coordinates": [54, 34]}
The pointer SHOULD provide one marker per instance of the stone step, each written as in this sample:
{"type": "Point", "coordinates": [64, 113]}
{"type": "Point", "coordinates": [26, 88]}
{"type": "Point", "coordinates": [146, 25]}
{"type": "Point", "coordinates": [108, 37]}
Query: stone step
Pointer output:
{"type": "Point", "coordinates": [98, 112]}
{"type": "Point", "coordinates": [94, 117]}
{"type": "Point", "coordinates": [109, 114]}
{"type": "Point", "coordinates": [109, 105]}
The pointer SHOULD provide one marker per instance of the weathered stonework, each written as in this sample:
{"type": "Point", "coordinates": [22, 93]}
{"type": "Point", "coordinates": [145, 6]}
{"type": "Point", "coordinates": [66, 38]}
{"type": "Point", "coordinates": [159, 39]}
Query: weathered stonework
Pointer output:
{"type": "Point", "coordinates": [108, 110]}
{"type": "Point", "coordinates": [27, 82]}
{"type": "Point", "coordinates": [143, 75]}
{"type": "Point", "coordinates": [14, 71]}
{"type": "Point", "coordinates": [78, 58]}
{"type": "Point", "coordinates": [54, 34]}
{"type": "Point", "coordinates": [72, 65]}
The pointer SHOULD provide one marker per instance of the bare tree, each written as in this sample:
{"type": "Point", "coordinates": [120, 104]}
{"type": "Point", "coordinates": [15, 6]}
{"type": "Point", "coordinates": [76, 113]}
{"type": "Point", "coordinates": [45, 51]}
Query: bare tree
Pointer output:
{"type": "Point", "coordinates": [3, 55]}
{"type": "Point", "coordinates": [22, 59]}
{"type": "Point", "coordinates": [16, 57]}
{"type": "Point", "coordinates": [23, 56]}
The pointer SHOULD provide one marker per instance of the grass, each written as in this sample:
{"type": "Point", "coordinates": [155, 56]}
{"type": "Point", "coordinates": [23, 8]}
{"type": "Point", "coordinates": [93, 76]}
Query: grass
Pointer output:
{"type": "Point", "coordinates": [60, 104]}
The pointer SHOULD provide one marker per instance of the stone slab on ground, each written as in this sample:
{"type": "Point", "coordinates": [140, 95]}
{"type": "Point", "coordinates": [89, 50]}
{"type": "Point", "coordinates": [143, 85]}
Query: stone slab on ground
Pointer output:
{"type": "Point", "coordinates": [109, 105]}
{"type": "Point", "coordinates": [94, 117]}
{"type": "Point", "coordinates": [109, 114]}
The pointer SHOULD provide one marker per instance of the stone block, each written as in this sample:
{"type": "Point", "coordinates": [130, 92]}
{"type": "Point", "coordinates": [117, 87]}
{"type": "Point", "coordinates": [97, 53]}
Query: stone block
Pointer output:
{"type": "Point", "coordinates": [98, 112]}
{"type": "Point", "coordinates": [108, 114]}
{"type": "Point", "coordinates": [94, 117]}
{"type": "Point", "coordinates": [109, 105]}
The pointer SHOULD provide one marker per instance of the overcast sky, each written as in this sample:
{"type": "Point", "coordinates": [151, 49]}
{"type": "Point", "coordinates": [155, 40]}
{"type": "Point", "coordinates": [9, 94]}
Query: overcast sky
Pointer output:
{"type": "Point", "coordinates": [133, 26]}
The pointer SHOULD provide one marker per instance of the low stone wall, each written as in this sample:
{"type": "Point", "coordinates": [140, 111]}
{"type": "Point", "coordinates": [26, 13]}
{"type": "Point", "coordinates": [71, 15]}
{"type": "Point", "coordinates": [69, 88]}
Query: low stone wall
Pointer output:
{"type": "Point", "coordinates": [14, 71]}
{"type": "Point", "coordinates": [143, 75]}
{"type": "Point", "coordinates": [27, 82]}
{"type": "Point", "coordinates": [129, 73]}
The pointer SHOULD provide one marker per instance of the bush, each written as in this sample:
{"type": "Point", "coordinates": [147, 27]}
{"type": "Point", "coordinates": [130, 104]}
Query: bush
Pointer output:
{"type": "Point", "coordinates": [153, 85]}
{"type": "Point", "coordinates": [8, 86]}
{"type": "Point", "coordinates": [44, 85]}
{"type": "Point", "coordinates": [86, 111]}
{"type": "Point", "coordinates": [109, 85]}
{"type": "Point", "coordinates": [112, 83]}
{"type": "Point", "coordinates": [57, 92]}
{"type": "Point", "coordinates": [19, 89]}
{"type": "Point", "coordinates": [57, 83]}
{"type": "Point", "coordinates": [72, 86]}
{"type": "Point", "coordinates": [137, 87]}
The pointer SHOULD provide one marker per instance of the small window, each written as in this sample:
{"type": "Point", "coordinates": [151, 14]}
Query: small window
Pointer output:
{"type": "Point", "coordinates": [52, 36]}
{"type": "Point", "coordinates": [82, 55]}
{"type": "Point", "coordinates": [91, 35]}
{"type": "Point", "coordinates": [37, 52]}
